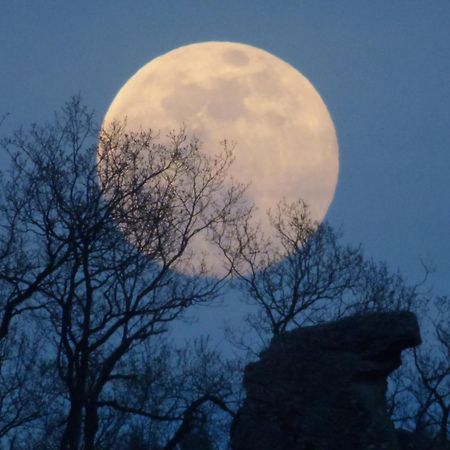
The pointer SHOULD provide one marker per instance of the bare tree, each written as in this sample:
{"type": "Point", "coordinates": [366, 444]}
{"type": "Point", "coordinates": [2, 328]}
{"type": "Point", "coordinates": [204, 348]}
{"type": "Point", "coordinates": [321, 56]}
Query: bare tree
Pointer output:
{"type": "Point", "coordinates": [430, 389]}
{"type": "Point", "coordinates": [171, 394]}
{"type": "Point", "coordinates": [422, 386]}
{"type": "Point", "coordinates": [24, 265]}
{"type": "Point", "coordinates": [24, 394]}
{"type": "Point", "coordinates": [293, 275]}
{"type": "Point", "coordinates": [303, 273]}
{"type": "Point", "coordinates": [103, 219]}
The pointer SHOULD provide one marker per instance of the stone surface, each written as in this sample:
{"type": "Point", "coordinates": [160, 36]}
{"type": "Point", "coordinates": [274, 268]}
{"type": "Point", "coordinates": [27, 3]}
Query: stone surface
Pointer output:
{"type": "Point", "coordinates": [413, 441]}
{"type": "Point", "coordinates": [324, 387]}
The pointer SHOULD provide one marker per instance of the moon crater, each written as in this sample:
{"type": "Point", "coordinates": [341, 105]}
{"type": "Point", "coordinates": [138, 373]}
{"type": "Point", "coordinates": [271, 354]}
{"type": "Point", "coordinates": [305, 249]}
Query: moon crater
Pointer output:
{"type": "Point", "coordinates": [235, 58]}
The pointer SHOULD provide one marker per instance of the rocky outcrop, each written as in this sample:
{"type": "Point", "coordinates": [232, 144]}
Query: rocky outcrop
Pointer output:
{"type": "Point", "coordinates": [324, 387]}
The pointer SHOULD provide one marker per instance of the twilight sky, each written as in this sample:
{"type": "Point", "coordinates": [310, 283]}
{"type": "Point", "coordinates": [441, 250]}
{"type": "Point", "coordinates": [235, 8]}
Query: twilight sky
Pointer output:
{"type": "Point", "coordinates": [382, 68]}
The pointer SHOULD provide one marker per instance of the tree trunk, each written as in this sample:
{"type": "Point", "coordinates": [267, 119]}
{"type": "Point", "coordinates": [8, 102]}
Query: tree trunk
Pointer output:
{"type": "Point", "coordinates": [90, 426]}
{"type": "Point", "coordinates": [71, 436]}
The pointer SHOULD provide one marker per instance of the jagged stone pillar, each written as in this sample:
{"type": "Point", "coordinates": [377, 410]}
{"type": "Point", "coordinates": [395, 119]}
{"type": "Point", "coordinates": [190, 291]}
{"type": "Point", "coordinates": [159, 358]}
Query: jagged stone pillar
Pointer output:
{"type": "Point", "coordinates": [324, 387]}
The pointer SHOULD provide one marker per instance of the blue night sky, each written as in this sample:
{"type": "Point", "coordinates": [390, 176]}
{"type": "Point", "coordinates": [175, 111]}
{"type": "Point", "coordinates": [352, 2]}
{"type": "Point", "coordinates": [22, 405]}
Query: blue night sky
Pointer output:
{"type": "Point", "coordinates": [382, 68]}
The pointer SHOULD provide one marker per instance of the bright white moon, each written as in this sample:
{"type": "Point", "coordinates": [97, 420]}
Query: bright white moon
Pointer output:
{"type": "Point", "coordinates": [286, 141]}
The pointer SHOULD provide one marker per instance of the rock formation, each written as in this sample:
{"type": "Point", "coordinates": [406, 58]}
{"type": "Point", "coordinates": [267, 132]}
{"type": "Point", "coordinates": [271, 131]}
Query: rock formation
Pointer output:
{"type": "Point", "coordinates": [324, 387]}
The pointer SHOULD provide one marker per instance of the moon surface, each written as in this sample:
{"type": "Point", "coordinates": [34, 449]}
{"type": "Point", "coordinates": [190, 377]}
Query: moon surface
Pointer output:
{"type": "Point", "coordinates": [286, 146]}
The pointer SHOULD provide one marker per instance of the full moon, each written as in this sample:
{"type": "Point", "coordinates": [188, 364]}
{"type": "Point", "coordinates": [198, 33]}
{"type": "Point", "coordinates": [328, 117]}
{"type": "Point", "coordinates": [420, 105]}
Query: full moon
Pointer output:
{"type": "Point", "coordinates": [286, 146]}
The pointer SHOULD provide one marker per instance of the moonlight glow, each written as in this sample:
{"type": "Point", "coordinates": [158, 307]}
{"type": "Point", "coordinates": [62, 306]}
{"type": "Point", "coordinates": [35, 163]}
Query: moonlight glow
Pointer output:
{"type": "Point", "coordinates": [286, 145]}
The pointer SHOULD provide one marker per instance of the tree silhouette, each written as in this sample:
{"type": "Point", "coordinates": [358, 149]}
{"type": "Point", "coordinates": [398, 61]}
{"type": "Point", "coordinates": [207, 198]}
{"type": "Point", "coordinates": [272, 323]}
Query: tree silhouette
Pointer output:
{"type": "Point", "coordinates": [303, 273]}
{"type": "Point", "coordinates": [95, 223]}
{"type": "Point", "coordinates": [420, 391]}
